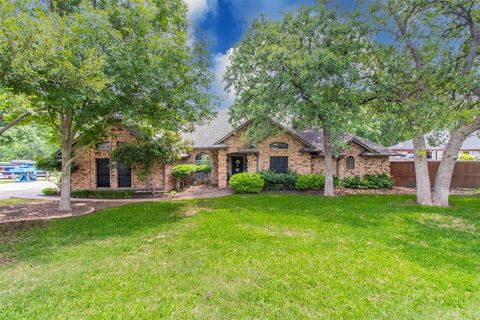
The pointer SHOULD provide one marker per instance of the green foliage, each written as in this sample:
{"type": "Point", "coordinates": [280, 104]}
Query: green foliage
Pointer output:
{"type": "Point", "coordinates": [181, 171]}
{"type": "Point", "coordinates": [354, 182]}
{"type": "Point", "coordinates": [369, 181]}
{"type": "Point", "coordinates": [246, 182]}
{"type": "Point", "coordinates": [26, 142]}
{"type": "Point", "coordinates": [310, 182]}
{"type": "Point", "coordinates": [91, 63]}
{"type": "Point", "coordinates": [103, 194]}
{"type": "Point", "coordinates": [51, 191]}
{"type": "Point", "coordinates": [466, 157]}
{"type": "Point", "coordinates": [52, 164]}
{"type": "Point", "coordinates": [301, 70]}
{"type": "Point", "coordinates": [204, 168]}
{"type": "Point", "coordinates": [49, 164]}
{"type": "Point", "coordinates": [278, 181]}
{"type": "Point", "coordinates": [145, 154]}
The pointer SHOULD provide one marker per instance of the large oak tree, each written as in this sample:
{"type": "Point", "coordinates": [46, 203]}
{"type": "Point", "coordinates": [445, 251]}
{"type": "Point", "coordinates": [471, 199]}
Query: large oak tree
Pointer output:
{"type": "Point", "coordinates": [299, 70]}
{"type": "Point", "coordinates": [92, 62]}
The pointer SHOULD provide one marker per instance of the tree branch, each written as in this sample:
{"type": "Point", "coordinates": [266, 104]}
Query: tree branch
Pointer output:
{"type": "Point", "coordinates": [19, 119]}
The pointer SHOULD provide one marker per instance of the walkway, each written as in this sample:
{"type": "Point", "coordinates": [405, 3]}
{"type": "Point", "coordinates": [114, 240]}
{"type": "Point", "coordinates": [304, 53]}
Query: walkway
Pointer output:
{"type": "Point", "coordinates": [29, 190]}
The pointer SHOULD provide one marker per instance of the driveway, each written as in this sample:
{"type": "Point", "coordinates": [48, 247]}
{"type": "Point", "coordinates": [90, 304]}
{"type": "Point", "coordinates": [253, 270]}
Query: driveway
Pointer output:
{"type": "Point", "coordinates": [23, 189]}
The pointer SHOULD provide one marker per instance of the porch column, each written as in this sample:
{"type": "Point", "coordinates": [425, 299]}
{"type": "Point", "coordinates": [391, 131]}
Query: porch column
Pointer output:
{"type": "Point", "coordinates": [222, 169]}
{"type": "Point", "coordinates": [252, 165]}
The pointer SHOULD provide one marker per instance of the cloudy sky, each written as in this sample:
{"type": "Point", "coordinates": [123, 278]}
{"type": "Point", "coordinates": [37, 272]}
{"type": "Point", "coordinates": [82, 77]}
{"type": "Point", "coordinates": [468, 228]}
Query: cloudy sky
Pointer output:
{"type": "Point", "coordinates": [223, 22]}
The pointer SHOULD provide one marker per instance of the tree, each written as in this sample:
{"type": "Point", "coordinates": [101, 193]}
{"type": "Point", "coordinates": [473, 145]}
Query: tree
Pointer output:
{"type": "Point", "coordinates": [461, 69]}
{"type": "Point", "coordinates": [26, 142]}
{"type": "Point", "coordinates": [145, 154]}
{"type": "Point", "coordinates": [88, 63]}
{"type": "Point", "coordinates": [299, 70]}
{"type": "Point", "coordinates": [416, 73]}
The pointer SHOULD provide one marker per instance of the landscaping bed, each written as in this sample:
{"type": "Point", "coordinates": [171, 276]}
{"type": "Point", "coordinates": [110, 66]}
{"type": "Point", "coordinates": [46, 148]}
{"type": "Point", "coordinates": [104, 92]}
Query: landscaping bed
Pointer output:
{"type": "Point", "coordinates": [25, 210]}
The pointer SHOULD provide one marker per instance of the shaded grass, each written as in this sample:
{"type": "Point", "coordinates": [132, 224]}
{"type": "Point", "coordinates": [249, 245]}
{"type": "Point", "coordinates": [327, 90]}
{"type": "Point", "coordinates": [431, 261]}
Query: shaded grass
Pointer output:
{"type": "Point", "coordinates": [262, 256]}
{"type": "Point", "coordinates": [11, 201]}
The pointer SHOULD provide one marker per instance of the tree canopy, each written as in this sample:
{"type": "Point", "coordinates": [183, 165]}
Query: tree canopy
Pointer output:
{"type": "Point", "coordinates": [91, 63]}
{"type": "Point", "coordinates": [299, 70]}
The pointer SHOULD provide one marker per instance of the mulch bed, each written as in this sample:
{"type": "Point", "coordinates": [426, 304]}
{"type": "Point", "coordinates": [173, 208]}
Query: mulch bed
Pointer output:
{"type": "Point", "coordinates": [40, 210]}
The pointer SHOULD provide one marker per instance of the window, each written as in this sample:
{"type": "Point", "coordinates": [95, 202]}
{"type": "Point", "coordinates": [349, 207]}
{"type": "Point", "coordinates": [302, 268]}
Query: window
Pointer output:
{"type": "Point", "coordinates": [124, 176]}
{"type": "Point", "coordinates": [278, 145]}
{"type": "Point", "coordinates": [350, 162]}
{"type": "Point", "coordinates": [202, 159]}
{"type": "Point", "coordinates": [103, 173]}
{"type": "Point", "coordinates": [279, 164]}
{"type": "Point", "coordinates": [103, 146]}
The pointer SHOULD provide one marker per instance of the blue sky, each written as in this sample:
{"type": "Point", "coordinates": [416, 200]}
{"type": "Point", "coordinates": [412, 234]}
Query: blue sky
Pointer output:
{"type": "Point", "coordinates": [223, 22]}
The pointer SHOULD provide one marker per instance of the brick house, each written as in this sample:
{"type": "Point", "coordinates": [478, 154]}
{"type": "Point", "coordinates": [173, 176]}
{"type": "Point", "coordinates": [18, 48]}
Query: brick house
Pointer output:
{"type": "Point", "coordinates": [229, 153]}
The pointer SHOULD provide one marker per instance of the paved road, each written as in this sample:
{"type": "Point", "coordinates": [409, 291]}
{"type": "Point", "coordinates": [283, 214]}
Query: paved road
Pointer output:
{"type": "Point", "coordinates": [23, 189]}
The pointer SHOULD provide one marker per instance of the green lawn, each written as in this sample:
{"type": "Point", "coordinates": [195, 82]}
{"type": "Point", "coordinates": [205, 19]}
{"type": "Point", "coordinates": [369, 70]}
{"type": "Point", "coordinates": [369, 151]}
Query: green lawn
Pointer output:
{"type": "Point", "coordinates": [262, 256]}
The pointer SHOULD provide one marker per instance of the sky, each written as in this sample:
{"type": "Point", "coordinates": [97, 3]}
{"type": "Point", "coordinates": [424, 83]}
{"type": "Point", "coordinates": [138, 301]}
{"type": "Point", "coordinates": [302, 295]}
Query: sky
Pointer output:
{"type": "Point", "coordinates": [223, 22]}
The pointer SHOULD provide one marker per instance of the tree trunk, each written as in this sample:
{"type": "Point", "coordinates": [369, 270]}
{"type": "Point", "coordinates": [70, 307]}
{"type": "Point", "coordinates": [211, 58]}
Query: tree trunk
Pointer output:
{"type": "Point", "coordinates": [66, 142]}
{"type": "Point", "coordinates": [443, 178]}
{"type": "Point", "coordinates": [327, 152]}
{"type": "Point", "coordinates": [424, 194]}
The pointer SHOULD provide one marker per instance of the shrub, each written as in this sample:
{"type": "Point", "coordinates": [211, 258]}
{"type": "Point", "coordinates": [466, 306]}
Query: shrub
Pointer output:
{"type": "Point", "coordinates": [378, 181]}
{"type": "Point", "coordinates": [185, 170]}
{"type": "Point", "coordinates": [369, 181]}
{"type": "Point", "coordinates": [204, 168]}
{"type": "Point", "coordinates": [354, 182]}
{"type": "Point", "coordinates": [82, 194]}
{"type": "Point", "coordinates": [310, 182]}
{"type": "Point", "coordinates": [279, 181]}
{"type": "Point", "coordinates": [50, 191]}
{"type": "Point", "coordinates": [114, 194]}
{"type": "Point", "coordinates": [103, 194]}
{"type": "Point", "coordinates": [246, 182]}
{"type": "Point", "coordinates": [466, 157]}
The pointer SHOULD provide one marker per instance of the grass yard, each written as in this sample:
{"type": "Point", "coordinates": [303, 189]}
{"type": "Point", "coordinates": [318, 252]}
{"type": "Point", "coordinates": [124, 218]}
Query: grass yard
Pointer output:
{"type": "Point", "coordinates": [263, 256]}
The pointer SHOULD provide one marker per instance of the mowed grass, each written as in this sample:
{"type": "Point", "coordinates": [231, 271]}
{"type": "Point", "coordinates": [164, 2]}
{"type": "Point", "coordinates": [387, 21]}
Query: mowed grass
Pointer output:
{"type": "Point", "coordinates": [272, 256]}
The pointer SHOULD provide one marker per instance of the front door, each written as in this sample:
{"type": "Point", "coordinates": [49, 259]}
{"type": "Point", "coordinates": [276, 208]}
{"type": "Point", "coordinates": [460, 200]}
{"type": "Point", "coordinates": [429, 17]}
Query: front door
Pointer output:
{"type": "Point", "coordinates": [103, 173]}
{"type": "Point", "coordinates": [238, 164]}
{"type": "Point", "coordinates": [124, 174]}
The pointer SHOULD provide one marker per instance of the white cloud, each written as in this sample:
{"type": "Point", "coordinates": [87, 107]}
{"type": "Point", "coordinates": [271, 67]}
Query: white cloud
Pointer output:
{"type": "Point", "coordinates": [220, 63]}
{"type": "Point", "coordinates": [198, 10]}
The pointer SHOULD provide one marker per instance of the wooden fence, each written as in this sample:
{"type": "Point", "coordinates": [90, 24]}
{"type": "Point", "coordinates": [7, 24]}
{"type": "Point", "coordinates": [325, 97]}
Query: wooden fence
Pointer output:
{"type": "Point", "coordinates": [465, 175]}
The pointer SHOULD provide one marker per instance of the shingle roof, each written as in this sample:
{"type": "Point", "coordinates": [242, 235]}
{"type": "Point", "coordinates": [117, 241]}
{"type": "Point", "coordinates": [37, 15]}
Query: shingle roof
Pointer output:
{"type": "Point", "coordinates": [441, 139]}
{"type": "Point", "coordinates": [212, 133]}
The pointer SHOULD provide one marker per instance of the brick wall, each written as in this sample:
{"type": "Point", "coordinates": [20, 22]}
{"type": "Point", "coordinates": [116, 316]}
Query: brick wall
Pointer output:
{"type": "Point", "coordinates": [300, 162]}
{"type": "Point", "coordinates": [86, 178]}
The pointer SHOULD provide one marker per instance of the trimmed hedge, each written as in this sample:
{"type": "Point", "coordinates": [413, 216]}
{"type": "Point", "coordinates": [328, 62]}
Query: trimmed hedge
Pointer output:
{"type": "Point", "coordinates": [279, 181]}
{"type": "Point", "coordinates": [310, 182]}
{"type": "Point", "coordinates": [185, 170]}
{"type": "Point", "coordinates": [246, 182]}
{"type": "Point", "coordinates": [369, 181]}
{"type": "Point", "coordinates": [103, 194]}
{"type": "Point", "coordinates": [50, 191]}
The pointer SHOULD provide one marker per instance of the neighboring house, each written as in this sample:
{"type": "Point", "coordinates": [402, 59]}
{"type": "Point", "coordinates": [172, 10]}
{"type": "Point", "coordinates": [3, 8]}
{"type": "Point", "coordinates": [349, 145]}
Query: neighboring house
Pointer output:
{"type": "Point", "coordinates": [436, 143]}
{"type": "Point", "coordinates": [229, 153]}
